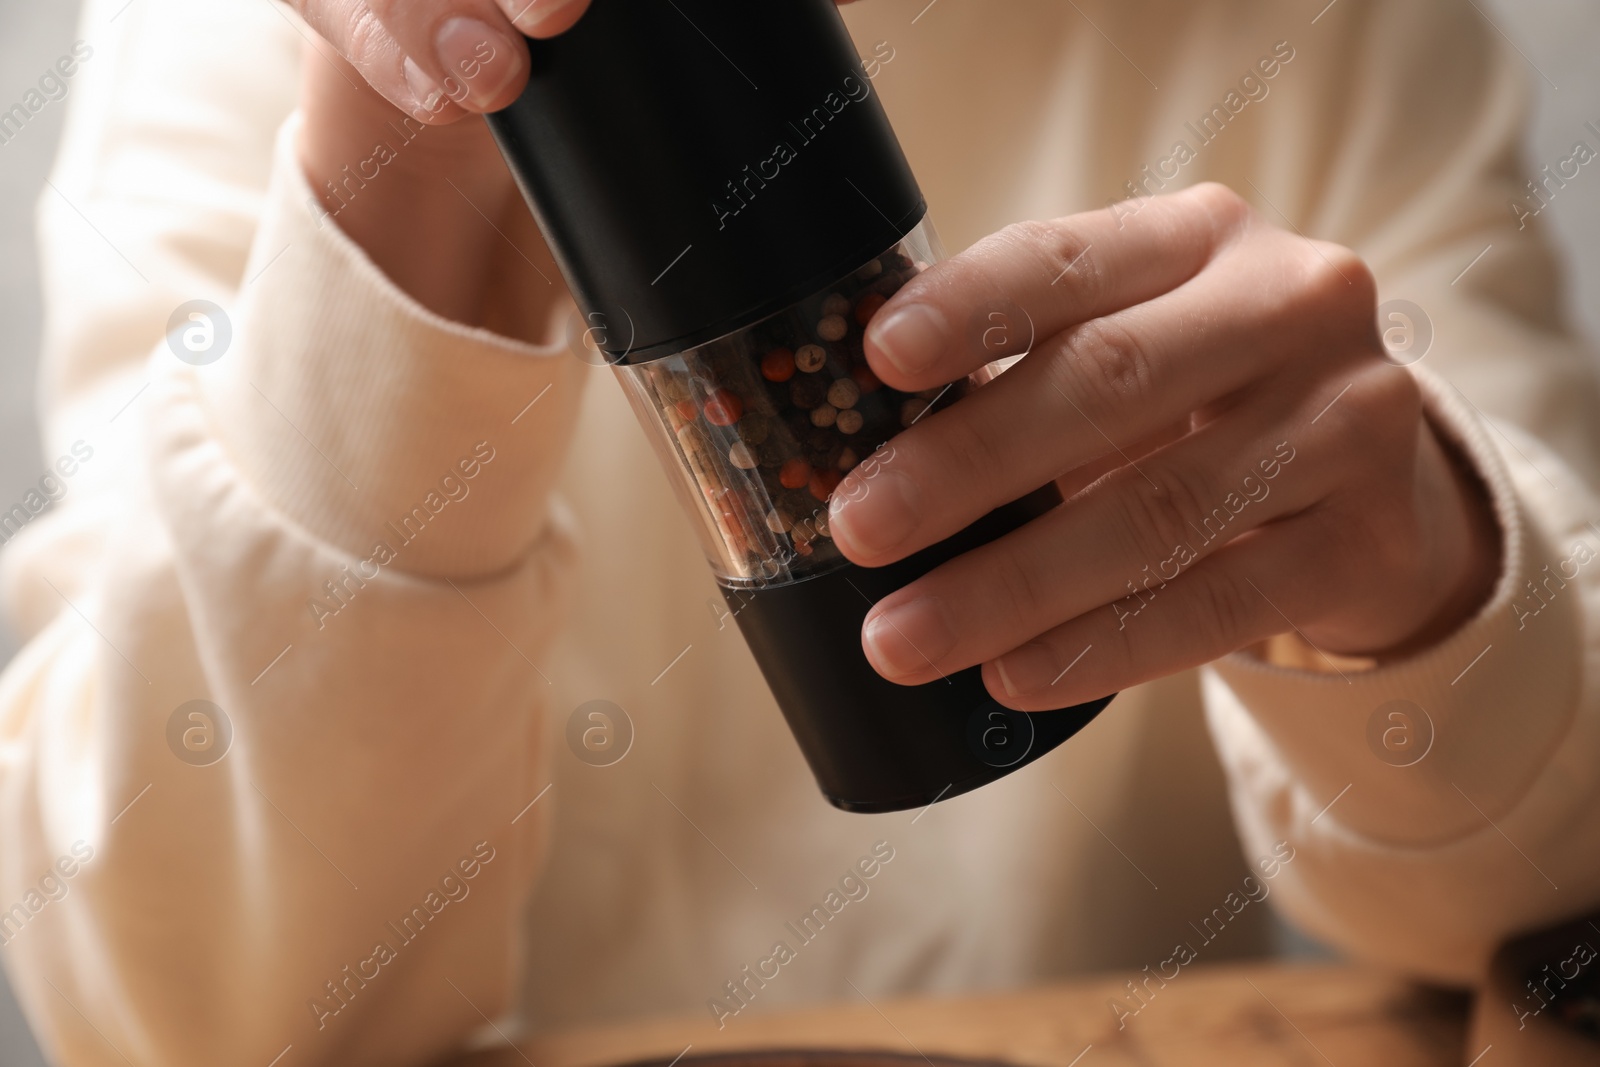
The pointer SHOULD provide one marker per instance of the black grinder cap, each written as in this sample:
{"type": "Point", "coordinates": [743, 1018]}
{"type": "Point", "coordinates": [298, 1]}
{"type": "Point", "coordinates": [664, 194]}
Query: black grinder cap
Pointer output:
{"type": "Point", "coordinates": [696, 165]}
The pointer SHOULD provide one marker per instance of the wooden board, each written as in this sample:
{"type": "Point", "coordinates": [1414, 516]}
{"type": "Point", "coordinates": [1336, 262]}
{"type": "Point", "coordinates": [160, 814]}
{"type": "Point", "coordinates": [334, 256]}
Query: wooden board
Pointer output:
{"type": "Point", "coordinates": [1227, 1016]}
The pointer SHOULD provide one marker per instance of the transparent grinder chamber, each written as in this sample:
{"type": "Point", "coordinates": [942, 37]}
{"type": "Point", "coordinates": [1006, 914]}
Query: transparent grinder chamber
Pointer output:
{"type": "Point", "coordinates": [758, 427]}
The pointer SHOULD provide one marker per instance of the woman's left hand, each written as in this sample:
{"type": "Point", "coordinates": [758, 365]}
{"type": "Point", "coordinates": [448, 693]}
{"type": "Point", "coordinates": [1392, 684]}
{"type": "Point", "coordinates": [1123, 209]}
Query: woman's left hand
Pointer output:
{"type": "Point", "coordinates": [1239, 459]}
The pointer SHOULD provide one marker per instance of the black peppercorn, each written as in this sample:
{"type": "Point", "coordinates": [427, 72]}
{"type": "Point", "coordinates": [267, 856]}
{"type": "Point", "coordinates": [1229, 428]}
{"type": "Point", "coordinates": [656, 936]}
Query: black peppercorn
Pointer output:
{"type": "Point", "coordinates": [807, 391]}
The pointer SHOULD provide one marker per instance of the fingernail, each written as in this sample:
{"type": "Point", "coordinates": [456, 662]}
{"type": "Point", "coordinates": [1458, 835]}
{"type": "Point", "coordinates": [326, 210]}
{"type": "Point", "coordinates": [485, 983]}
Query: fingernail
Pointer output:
{"type": "Point", "coordinates": [1027, 669]}
{"type": "Point", "coordinates": [877, 514]}
{"type": "Point", "coordinates": [479, 61]}
{"type": "Point", "coordinates": [427, 93]}
{"type": "Point", "coordinates": [912, 338]}
{"type": "Point", "coordinates": [535, 15]}
{"type": "Point", "coordinates": [909, 638]}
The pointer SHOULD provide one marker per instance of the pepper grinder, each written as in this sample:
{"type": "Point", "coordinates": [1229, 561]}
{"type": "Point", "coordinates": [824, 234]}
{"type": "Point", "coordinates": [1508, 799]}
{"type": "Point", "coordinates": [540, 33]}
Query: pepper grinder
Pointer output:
{"type": "Point", "coordinates": [729, 206]}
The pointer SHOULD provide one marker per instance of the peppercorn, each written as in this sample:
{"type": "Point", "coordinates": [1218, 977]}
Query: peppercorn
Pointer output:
{"type": "Point", "coordinates": [760, 400]}
{"type": "Point", "coordinates": [847, 459]}
{"type": "Point", "coordinates": [778, 522]}
{"type": "Point", "coordinates": [849, 421]}
{"type": "Point", "coordinates": [835, 304]}
{"type": "Point", "coordinates": [778, 365]}
{"type": "Point", "coordinates": [686, 410]}
{"type": "Point", "coordinates": [773, 452]}
{"type": "Point", "coordinates": [832, 328]}
{"type": "Point", "coordinates": [823, 483]}
{"type": "Point", "coordinates": [796, 501]}
{"type": "Point", "coordinates": [869, 270]}
{"type": "Point", "coordinates": [912, 410]}
{"type": "Point", "coordinates": [811, 358]}
{"type": "Point", "coordinates": [867, 307]}
{"type": "Point", "coordinates": [824, 415]}
{"type": "Point", "coordinates": [740, 455]}
{"type": "Point", "coordinates": [723, 408]}
{"type": "Point", "coordinates": [754, 428]}
{"type": "Point", "coordinates": [794, 473]}
{"type": "Point", "coordinates": [862, 375]}
{"type": "Point", "coordinates": [844, 393]}
{"type": "Point", "coordinates": [808, 391]}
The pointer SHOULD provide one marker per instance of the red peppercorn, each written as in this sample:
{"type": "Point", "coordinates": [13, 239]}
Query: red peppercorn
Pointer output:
{"type": "Point", "coordinates": [865, 378]}
{"type": "Point", "coordinates": [778, 365]}
{"type": "Point", "coordinates": [823, 483]}
{"type": "Point", "coordinates": [723, 408]}
{"type": "Point", "coordinates": [868, 307]}
{"type": "Point", "coordinates": [686, 410]}
{"type": "Point", "coordinates": [794, 473]}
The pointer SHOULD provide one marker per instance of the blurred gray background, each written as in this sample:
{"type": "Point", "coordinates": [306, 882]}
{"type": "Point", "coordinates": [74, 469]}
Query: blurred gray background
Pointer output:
{"type": "Point", "coordinates": [1558, 36]}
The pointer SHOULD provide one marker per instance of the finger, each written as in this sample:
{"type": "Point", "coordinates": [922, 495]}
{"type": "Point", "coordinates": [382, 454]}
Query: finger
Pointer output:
{"type": "Point", "coordinates": [1033, 279]}
{"type": "Point", "coordinates": [1124, 539]}
{"type": "Point", "coordinates": [466, 51]}
{"type": "Point", "coordinates": [1091, 391]}
{"type": "Point", "coordinates": [543, 18]}
{"type": "Point", "coordinates": [1080, 478]}
{"type": "Point", "coordinates": [1260, 585]}
{"type": "Point", "coordinates": [363, 49]}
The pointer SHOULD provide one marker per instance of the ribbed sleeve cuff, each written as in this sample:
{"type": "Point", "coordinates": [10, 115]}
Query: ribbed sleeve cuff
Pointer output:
{"type": "Point", "coordinates": [1423, 750]}
{"type": "Point", "coordinates": [364, 417]}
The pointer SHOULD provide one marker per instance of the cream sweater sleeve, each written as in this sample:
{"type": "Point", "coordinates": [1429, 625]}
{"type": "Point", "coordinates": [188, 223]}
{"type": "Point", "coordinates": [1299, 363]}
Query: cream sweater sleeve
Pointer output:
{"type": "Point", "coordinates": [1441, 804]}
{"type": "Point", "coordinates": [338, 534]}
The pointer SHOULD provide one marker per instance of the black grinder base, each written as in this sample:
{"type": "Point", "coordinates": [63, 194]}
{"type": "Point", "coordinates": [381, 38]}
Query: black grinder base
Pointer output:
{"type": "Point", "coordinates": [876, 746]}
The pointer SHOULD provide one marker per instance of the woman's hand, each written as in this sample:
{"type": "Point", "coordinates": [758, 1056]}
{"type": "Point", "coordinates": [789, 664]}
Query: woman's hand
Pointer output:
{"type": "Point", "coordinates": [1239, 459]}
{"type": "Point", "coordinates": [384, 151]}
{"type": "Point", "coordinates": [388, 68]}
{"type": "Point", "coordinates": [427, 57]}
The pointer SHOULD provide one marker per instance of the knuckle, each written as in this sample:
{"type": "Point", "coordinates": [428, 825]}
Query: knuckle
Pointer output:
{"type": "Point", "coordinates": [1024, 242]}
{"type": "Point", "coordinates": [1226, 606]}
{"type": "Point", "coordinates": [365, 35]}
{"type": "Point", "coordinates": [967, 450]}
{"type": "Point", "coordinates": [1160, 517]}
{"type": "Point", "coordinates": [1336, 278]}
{"type": "Point", "coordinates": [1227, 210]}
{"type": "Point", "coordinates": [1058, 246]}
{"type": "Point", "coordinates": [1069, 251]}
{"type": "Point", "coordinates": [1381, 412]}
{"type": "Point", "coordinates": [1393, 394]}
{"type": "Point", "coordinates": [1117, 640]}
{"type": "Point", "coordinates": [1020, 587]}
{"type": "Point", "coordinates": [1030, 234]}
{"type": "Point", "coordinates": [1107, 366]}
